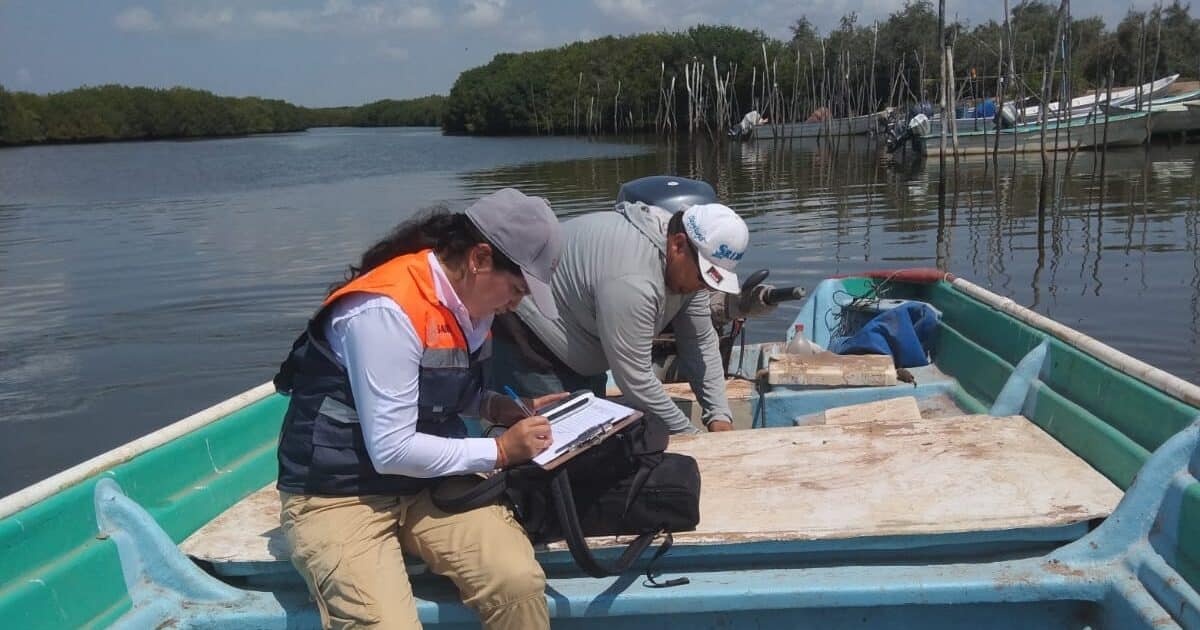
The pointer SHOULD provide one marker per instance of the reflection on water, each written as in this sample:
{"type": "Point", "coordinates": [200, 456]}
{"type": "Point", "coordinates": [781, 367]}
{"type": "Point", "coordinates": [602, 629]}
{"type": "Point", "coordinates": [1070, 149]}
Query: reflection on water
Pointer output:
{"type": "Point", "coordinates": [142, 282]}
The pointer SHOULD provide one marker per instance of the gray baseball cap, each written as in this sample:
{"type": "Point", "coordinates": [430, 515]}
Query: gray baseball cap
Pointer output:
{"type": "Point", "coordinates": [525, 229]}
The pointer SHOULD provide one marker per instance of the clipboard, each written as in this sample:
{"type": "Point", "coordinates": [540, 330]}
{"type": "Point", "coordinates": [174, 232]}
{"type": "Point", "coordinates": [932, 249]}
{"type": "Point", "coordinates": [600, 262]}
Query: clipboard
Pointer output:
{"type": "Point", "coordinates": [621, 417]}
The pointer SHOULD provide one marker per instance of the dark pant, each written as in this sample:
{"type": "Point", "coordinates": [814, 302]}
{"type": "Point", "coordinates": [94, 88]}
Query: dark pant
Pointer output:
{"type": "Point", "coordinates": [521, 361]}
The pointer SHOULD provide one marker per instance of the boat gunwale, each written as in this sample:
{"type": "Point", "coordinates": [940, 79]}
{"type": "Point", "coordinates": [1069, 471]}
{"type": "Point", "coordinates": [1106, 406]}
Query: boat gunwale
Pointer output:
{"type": "Point", "coordinates": [1137, 369]}
{"type": "Point", "coordinates": [44, 489]}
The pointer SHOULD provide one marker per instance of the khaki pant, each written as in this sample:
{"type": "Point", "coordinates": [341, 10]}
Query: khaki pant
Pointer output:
{"type": "Point", "coordinates": [350, 552]}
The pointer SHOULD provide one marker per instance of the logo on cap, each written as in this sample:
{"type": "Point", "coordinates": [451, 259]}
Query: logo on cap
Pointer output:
{"type": "Point", "coordinates": [723, 252]}
{"type": "Point", "coordinates": [715, 275]}
{"type": "Point", "coordinates": [697, 233]}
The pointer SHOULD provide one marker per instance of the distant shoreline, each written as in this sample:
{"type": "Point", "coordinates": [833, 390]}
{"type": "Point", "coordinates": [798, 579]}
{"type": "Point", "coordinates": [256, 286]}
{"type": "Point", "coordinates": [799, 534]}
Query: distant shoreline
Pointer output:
{"type": "Point", "coordinates": [117, 113]}
{"type": "Point", "coordinates": [85, 141]}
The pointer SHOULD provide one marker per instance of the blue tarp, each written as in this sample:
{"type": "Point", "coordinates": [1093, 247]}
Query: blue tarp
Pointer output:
{"type": "Point", "coordinates": [906, 332]}
{"type": "Point", "coordinates": [986, 109]}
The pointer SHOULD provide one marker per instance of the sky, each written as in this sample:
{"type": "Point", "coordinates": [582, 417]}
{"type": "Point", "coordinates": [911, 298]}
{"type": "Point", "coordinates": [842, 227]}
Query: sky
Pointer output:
{"type": "Point", "coordinates": [348, 52]}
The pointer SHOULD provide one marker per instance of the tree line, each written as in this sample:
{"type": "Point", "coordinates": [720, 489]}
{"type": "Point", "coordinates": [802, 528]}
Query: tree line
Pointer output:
{"type": "Point", "coordinates": [116, 112]}
{"type": "Point", "coordinates": [704, 77]}
{"type": "Point", "coordinates": [635, 83]}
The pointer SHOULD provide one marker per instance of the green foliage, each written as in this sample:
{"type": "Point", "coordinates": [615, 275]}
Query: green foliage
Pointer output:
{"type": "Point", "coordinates": [554, 90]}
{"type": "Point", "coordinates": [116, 112]}
{"type": "Point", "coordinates": [855, 68]}
{"type": "Point", "coordinates": [425, 111]}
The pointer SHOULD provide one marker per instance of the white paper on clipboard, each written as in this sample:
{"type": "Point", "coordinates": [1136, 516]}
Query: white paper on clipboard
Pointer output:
{"type": "Point", "coordinates": [580, 423]}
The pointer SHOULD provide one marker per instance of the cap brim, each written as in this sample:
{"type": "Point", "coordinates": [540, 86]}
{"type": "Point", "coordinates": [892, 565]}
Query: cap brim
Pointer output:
{"type": "Point", "coordinates": [543, 297]}
{"type": "Point", "coordinates": [718, 278]}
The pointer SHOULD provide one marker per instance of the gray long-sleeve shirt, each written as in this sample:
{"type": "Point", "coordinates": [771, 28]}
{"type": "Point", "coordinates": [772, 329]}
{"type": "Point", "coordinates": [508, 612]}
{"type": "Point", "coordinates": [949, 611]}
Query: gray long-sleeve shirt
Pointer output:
{"type": "Point", "coordinates": [613, 299]}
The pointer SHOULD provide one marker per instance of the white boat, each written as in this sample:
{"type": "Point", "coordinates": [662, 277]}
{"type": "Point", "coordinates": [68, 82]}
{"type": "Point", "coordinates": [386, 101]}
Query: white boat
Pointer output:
{"type": "Point", "coordinates": [852, 126]}
{"type": "Point", "coordinates": [1088, 103]}
{"type": "Point", "coordinates": [1172, 114]}
{"type": "Point", "coordinates": [1084, 132]}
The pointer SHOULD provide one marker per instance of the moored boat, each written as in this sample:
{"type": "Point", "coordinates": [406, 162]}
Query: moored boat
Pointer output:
{"type": "Point", "coordinates": [851, 126]}
{"type": "Point", "coordinates": [1128, 129]}
{"type": "Point", "coordinates": [1172, 114]}
{"type": "Point", "coordinates": [1030, 475]}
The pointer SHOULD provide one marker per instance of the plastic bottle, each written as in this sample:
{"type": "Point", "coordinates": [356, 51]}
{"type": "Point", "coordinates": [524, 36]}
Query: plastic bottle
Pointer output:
{"type": "Point", "coordinates": [799, 344]}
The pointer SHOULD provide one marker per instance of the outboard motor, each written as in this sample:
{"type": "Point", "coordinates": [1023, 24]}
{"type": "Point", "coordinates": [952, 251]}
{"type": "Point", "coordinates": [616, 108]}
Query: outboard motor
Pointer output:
{"type": "Point", "coordinates": [914, 132]}
{"type": "Point", "coordinates": [1007, 116]}
{"type": "Point", "coordinates": [667, 192]}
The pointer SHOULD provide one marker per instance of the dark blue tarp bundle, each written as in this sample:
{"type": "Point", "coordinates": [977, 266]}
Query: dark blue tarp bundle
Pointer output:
{"type": "Point", "coordinates": [905, 332]}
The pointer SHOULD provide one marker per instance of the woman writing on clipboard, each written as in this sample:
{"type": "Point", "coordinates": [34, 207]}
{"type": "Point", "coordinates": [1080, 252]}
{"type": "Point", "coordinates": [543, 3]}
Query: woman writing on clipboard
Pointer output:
{"type": "Point", "coordinates": [377, 383]}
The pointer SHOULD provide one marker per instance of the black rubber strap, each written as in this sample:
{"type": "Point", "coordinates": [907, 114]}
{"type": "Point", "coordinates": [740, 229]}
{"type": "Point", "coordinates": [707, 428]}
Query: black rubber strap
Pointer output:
{"type": "Point", "coordinates": [479, 495]}
{"type": "Point", "coordinates": [568, 519]}
{"type": "Point", "coordinates": [662, 549]}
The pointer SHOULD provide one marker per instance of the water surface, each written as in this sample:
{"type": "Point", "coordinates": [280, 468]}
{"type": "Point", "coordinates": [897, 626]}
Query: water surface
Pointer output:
{"type": "Point", "coordinates": [142, 282]}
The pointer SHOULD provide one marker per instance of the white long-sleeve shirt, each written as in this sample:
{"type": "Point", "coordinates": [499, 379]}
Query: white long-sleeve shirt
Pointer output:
{"type": "Point", "coordinates": [375, 340]}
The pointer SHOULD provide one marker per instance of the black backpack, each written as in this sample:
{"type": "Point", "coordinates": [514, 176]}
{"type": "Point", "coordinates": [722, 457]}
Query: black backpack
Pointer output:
{"type": "Point", "coordinates": [625, 485]}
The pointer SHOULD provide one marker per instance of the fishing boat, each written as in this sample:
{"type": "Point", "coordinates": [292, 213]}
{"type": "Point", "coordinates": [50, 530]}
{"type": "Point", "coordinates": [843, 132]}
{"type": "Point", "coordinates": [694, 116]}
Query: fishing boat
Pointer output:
{"type": "Point", "coordinates": [1029, 476]}
{"type": "Point", "coordinates": [851, 126]}
{"type": "Point", "coordinates": [1172, 114]}
{"type": "Point", "coordinates": [1119, 130]}
{"type": "Point", "coordinates": [1090, 103]}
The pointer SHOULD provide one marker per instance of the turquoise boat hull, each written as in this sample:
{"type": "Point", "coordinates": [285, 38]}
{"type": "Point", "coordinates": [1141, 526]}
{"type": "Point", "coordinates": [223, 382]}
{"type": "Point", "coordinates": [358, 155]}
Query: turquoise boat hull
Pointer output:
{"type": "Point", "coordinates": [98, 545]}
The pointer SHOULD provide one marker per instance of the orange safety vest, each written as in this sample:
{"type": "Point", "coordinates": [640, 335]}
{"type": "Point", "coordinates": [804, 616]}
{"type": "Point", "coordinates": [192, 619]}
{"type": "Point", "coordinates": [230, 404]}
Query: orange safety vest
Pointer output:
{"type": "Point", "coordinates": [408, 281]}
{"type": "Point", "coordinates": [322, 449]}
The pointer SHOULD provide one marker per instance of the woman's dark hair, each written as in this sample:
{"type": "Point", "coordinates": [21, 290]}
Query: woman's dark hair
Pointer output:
{"type": "Point", "coordinates": [450, 234]}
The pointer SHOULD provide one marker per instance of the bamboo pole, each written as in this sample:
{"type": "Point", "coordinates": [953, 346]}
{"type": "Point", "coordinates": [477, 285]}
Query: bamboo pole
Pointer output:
{"type": "Point", "coordinates": [616, 107]}
{"type": "Point", "coordinates": [575, 105]}
{"type": "Point", "coordinates": [999, 101]}
{"type": "Point", "coordinates": [874, 102]}
{"type": "Point", "coordinates": [1104, 146]}
{"type": "Point", "coordinates": [941, 35]}
{"type": "Point", "coordinates": [1154, 72]}
{"type": "Point", "coordinates": [953, 119]}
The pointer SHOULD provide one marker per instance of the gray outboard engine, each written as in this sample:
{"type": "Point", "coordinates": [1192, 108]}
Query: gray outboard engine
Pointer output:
{"type": "Point", "coordinates": [667, 192]}
{"type": "Point", "coordinates": [911, 132]}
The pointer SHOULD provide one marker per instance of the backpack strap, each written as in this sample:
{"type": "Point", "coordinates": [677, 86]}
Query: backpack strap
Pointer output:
{"type": "Point", "coordinates": [568, 519]}
{"type": "Point", "coordinates": [478, 495]}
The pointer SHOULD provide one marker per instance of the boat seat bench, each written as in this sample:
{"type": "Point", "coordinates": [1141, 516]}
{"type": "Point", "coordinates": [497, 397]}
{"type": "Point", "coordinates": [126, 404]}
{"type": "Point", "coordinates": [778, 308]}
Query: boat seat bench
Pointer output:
{"type": "Point", "coordinates": [890, 482]}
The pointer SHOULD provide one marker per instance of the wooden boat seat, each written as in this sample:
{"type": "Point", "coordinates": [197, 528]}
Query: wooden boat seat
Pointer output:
{"type": "Point", "coordinates": [887, 479]}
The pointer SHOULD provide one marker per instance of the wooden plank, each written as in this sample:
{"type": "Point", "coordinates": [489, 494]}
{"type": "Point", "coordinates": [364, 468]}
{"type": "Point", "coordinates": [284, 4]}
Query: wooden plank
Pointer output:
{"type": "Point", "coordinates": [972, 473]}
{"type": "Point", "coordinates": [837, 481]}
{"type": "Point", "coordinates": [889, 410]}
{"type": "Point", "coordinates": [735, 389]}
{"type": "Point", "coordinates": [832, 370]}
{"type": "Point", "coordinates": [738, 391]}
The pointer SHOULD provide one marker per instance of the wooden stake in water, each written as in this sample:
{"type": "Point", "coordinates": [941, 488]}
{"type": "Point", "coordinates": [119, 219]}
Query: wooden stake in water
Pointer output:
{"type": "Point", "coordinates": [942, 50]}
{"type": "Point", "coordinates": [1154, 72]}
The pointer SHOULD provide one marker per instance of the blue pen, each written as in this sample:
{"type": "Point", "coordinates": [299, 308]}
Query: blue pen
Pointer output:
{"type": "Point", "coordinates": [520, 403]}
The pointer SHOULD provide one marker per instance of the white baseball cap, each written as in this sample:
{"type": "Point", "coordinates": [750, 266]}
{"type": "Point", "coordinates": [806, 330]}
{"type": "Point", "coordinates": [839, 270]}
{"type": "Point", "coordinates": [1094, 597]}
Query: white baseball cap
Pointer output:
{"type": "Point", "coordinates": [720, 237]}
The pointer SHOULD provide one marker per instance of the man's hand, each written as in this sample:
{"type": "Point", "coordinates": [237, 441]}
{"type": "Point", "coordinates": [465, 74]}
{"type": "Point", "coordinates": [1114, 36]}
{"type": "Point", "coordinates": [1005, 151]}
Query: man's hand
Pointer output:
{"type": "Point", "coordinates": [504, 410]}
{"type": "Point", "coordinates": [720, 425]}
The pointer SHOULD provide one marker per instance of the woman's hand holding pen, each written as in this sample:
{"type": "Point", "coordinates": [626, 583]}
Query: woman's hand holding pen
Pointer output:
{"type": "Point", "coordinates": [523, 441]}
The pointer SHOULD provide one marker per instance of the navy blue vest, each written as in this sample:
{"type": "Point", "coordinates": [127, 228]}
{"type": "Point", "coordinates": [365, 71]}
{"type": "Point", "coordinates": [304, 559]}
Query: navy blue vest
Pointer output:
{"type": "Point", "coordinates": [321, 446]}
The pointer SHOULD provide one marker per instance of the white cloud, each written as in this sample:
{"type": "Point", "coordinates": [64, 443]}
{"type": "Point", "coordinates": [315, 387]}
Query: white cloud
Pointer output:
{"type": "Point", "coordinates": [211, 21]}
{"type": "Point", "coordinates": [136, 20]}
{"type": "Point", "coordinates": [344, 16]}
{"type": "Point", "coordinates": [640, 11]}
{"type": "Point", "coordinates": [484, 13]}
{"type": "Point", "coordinates": [394, 53]}
{"type": "Point", "coordinates": [282, 21]}
{"type": "Point", "coordinates": [418, 17]}
{"type": "Point", "coordinates": [676, 15]}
